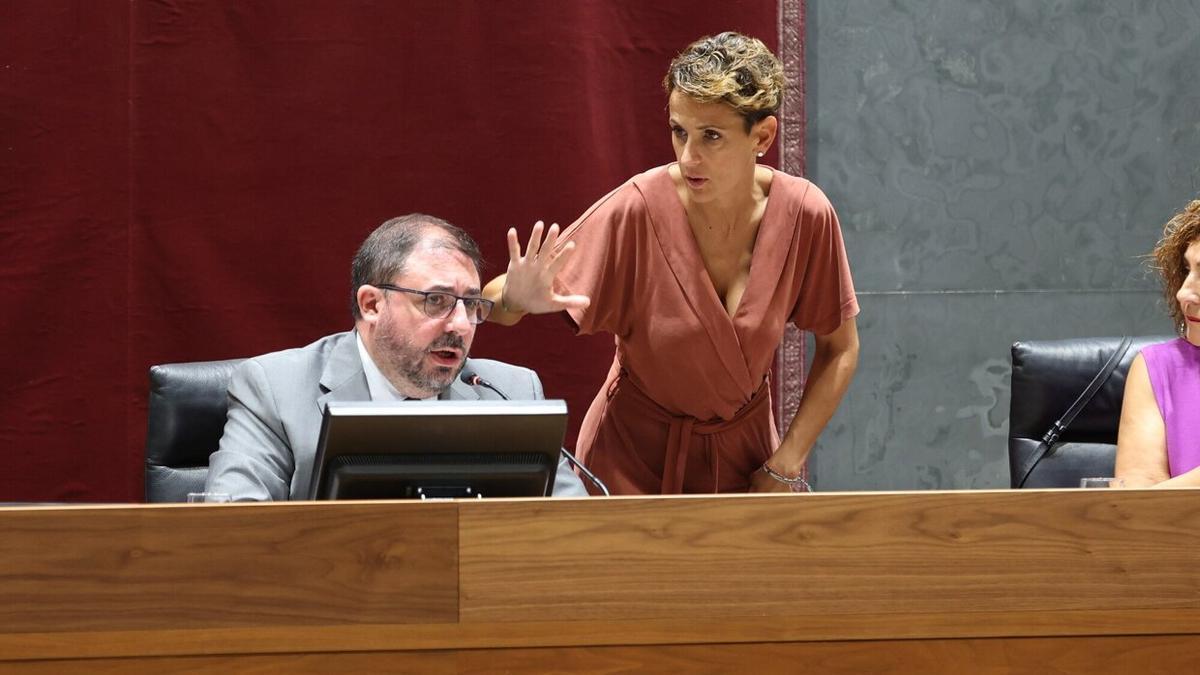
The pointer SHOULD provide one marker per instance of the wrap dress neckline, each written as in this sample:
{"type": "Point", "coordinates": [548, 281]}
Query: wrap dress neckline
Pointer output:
{"type": "Point", "coordinates": [682, 252]}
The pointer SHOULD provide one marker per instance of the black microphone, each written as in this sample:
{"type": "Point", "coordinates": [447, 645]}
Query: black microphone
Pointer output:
{"type": "Point", "coordinates": [470, 377]}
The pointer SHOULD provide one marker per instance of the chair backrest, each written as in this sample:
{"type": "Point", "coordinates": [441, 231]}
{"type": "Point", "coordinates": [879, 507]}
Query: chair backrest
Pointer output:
{"type": "Point", "coordinates": [184, 423]}
{"type": "Point", "coordinates": [1047, 377]}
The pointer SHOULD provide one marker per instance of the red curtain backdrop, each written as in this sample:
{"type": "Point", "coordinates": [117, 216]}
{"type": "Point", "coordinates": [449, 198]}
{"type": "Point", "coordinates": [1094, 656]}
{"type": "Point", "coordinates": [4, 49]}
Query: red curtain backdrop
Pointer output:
{"type": "Point", "coordinates": [188, 181]}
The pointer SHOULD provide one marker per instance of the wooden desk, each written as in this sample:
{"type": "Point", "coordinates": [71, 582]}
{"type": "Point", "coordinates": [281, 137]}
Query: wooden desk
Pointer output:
{"type": "Point", "coordinates": [979, 581]}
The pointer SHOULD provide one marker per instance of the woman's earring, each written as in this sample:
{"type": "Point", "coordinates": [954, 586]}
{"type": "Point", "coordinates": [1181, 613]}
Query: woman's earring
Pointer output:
{"type": "Point", "coordinates": [761, 154]}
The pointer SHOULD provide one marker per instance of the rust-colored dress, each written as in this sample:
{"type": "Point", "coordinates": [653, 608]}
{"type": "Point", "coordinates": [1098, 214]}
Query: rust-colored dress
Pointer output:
{"type": "Point", "coordinates": [686, 406]}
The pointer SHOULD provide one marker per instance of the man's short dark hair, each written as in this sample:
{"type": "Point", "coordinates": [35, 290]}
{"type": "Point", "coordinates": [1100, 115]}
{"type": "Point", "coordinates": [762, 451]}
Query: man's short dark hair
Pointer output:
{"type": "Point", "coordinates": [382, 257]}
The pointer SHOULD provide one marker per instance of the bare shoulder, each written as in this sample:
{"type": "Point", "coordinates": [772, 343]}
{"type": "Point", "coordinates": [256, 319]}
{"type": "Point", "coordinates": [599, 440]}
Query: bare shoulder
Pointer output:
{"type": "Point", "coordinates": [1137, 380]}
{"type": "Point", "coordinates": [1141, 436]}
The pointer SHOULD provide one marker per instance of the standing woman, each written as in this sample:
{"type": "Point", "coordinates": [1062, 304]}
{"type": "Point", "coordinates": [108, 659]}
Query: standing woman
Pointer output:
{"type": "Point", "coordinates": [1158, 441]}
{"type": "Point", "coordinates": [695, 267]}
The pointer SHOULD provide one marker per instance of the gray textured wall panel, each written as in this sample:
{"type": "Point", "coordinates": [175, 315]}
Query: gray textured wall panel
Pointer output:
{"type": "Point", "coordinates": [987, 148]}
{"type": "Point", "coordinates": [929, 405]}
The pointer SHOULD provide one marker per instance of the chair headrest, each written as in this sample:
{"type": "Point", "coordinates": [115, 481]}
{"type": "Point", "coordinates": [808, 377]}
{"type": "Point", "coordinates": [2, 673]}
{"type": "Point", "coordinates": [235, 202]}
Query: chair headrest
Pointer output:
{"type": "Point", "coordinates": [1047, 377]}
{"type": "Point", "coordinates": [186, 412]}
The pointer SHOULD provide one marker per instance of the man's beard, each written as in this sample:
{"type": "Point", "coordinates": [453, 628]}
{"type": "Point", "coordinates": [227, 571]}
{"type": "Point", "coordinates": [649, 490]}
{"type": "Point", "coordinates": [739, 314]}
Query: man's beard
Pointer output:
{"type": "Point", "coordinates": [407, 361]}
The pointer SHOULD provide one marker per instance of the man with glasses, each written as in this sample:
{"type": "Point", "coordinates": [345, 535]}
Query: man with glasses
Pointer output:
{"type": "Point", "coordinates": [416, 302]}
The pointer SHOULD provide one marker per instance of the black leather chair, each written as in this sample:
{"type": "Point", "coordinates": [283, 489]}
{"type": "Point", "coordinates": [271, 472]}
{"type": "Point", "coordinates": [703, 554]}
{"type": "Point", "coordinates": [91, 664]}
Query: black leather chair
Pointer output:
{"type": "Point", "coordinates": [1047, 377]}
{"type": "Point", "coordinates": [184, 422]}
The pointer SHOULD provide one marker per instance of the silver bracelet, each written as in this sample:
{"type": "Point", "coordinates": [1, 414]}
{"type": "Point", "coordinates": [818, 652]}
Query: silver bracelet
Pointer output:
{"type": "Point", "coordinates": [797, 484]}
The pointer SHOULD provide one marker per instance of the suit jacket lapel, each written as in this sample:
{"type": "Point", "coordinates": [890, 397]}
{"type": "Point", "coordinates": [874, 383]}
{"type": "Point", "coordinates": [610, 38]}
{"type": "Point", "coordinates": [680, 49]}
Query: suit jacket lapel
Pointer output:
{"type": "Point", "coordinates": [343, 378]}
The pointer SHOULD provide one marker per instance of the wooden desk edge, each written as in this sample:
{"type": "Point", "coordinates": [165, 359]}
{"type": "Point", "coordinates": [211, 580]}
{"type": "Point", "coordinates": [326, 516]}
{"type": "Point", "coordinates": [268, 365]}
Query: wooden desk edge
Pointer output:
{"type": "Point", "coordinates": [409, 637]}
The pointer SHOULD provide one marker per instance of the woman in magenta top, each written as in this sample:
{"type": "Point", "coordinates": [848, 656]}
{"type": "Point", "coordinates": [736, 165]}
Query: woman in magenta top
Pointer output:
{"type": "Point", "coordinates": [1159, 439]}
{"type": "Point", "coordinates": [696, 267]}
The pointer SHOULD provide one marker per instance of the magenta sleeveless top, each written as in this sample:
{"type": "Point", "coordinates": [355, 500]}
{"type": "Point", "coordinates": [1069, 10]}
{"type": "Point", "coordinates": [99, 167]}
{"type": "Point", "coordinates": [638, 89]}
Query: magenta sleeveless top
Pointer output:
{"type": "Point", "coordinates": [1174, 369]}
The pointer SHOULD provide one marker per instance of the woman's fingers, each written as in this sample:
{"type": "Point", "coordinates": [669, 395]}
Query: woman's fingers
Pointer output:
{"type": "Point", "coordinates": [535, 240]}
{"type": "Point", "coordinates": [551, 238]}
{"type": "Point", "coordinates": [530, 280]}
{"type": "Point", "coordinates": [514, 245]}
{"type": "Point", "coordinates": [536, 245]}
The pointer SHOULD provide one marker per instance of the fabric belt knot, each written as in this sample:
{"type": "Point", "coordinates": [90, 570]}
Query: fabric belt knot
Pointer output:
{"type": "Point", "coordinates": [681, 430]}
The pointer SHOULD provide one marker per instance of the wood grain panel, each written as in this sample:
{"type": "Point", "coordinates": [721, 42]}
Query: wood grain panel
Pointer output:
{"type": "Point", "coordinates": [830, 554]}
{"type": "Point", "coordinates": [684, 630]}
{"type": "Point", "coordinates": [425, 663]}
{"type": "Point", "coordinates": [71, 569]}
{"type": "Point", "coordinates": [543, 580]}
{"type": "Point", "coordinates": [1032, 656]}
{"type": "Point", "coordinates": [1040, 656]}
{"type": "Point", "coordinates": [1145, 655]}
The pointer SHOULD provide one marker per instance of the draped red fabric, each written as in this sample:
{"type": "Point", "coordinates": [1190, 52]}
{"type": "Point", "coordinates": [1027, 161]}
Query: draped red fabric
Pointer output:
{"type": "Point", "coordinates": [188, 181]}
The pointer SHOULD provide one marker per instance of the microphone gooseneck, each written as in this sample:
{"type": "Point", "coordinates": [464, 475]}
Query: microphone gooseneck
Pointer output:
{"type": "Point", "coordinates": [590, 476]}
{"type": "Point", "coordinates": [471, 378]}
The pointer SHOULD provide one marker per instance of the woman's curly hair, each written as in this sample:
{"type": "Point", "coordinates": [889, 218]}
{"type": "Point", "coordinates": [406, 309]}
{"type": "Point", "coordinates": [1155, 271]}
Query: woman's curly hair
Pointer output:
{"type": "Point", "coordinates": [731, 68]}
{"type": "Point", "coordinates": [1180, 232]}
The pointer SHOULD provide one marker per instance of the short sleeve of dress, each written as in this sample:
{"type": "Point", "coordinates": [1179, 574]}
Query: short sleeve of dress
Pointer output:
{"type": "Point", "coordinates": [603, 266]}
{"type": "Point", "coordinates": [826, 298]}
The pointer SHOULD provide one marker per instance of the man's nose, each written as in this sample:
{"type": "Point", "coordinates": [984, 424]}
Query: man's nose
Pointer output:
{"type": "Point", "coordinates": [459, 319]}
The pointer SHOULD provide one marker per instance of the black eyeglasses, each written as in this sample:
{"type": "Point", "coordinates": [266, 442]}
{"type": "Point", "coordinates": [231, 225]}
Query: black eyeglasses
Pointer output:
{"type": "Point", "coordinates": [440, 304]}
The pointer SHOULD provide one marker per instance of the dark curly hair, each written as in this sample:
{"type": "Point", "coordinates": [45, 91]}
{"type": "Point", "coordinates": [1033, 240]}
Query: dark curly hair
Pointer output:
{"type": "Point", "coordinates": [1178, 234]}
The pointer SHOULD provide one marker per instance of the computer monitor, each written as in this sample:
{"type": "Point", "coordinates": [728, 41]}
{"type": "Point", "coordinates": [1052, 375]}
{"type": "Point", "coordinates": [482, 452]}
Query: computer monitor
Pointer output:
{"type": "Point", "coordinates": [438, 449]}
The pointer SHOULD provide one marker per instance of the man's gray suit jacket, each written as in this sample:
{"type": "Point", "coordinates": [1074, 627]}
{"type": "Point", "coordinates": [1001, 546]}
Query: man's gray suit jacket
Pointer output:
{"type": "Point", "coordinates": [276, 402]}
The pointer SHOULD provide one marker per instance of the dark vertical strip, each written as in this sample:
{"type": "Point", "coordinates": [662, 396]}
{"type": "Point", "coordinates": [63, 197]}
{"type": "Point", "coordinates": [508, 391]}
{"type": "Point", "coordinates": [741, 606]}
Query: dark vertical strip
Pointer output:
{"type": "Point", "coordinates": [789, 359]}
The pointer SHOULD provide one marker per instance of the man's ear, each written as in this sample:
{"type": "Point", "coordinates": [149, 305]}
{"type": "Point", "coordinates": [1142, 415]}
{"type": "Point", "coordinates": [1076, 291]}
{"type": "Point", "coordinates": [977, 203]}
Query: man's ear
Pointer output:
{"type": "Point", "coordinates": [764, 132]}
{"type": "Point", "coordinates": [369, 299]}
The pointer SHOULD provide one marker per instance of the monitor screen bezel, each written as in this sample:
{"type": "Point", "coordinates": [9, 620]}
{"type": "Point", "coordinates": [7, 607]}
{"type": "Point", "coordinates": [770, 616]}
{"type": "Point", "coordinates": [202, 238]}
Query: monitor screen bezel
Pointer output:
{"type": "Point", "coordinates": [532, 426]}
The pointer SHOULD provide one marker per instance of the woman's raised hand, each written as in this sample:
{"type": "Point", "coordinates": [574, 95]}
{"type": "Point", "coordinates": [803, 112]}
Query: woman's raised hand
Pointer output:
{"type": "Point", "coordinates": [530, 285]}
